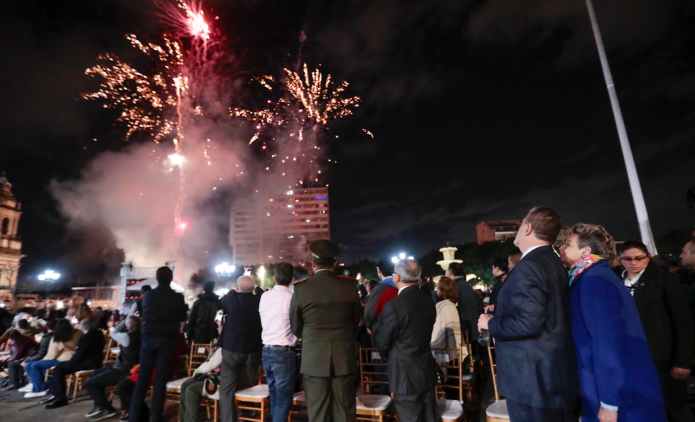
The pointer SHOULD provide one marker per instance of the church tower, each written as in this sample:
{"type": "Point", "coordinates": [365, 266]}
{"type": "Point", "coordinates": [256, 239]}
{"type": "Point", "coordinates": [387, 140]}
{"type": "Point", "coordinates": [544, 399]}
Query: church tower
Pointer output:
{"type": "Point", "coordinates": [10, 244]}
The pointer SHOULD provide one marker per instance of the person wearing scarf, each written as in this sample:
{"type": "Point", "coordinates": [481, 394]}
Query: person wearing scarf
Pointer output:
{"type": "Point", "coordinates": [617, 377]}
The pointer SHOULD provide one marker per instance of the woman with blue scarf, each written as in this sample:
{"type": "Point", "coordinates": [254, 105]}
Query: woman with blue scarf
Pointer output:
{"type": "Point", "coordinates": [618, 381]}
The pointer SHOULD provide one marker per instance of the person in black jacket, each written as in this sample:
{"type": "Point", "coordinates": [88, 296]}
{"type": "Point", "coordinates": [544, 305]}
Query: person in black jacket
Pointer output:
{"type": "Point", "coordinates": [127, 334]}
{"type": "Point", "coordinates": [202, 327]}
{"type": "Point", "coordinates": [89, 354]}
{"type": "Point", "coordinates": [163, 311]}
{"type": "Point", "coordinates": [403, 338]}
{"type": "Point", "coordinates": [500, 268]}
{"type": "Point", "coordinates": [536, 359]}
{"type": "Point", "coordinates": [241, 344]}
{"type": "Point", "coordinates": [667, 323]}
{"type": "Point", "coordinates": [468, 301]}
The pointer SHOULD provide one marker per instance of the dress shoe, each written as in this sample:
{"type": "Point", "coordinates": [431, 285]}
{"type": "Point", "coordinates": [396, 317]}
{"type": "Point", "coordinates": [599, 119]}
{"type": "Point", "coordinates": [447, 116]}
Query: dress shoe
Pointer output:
{"type": "Point", "coordinates": [124, 418]}
{"type": "Point", "coordinates": [10, 387]}
{"type": "Point", "coordinates": [47, 400]}
{"type": "Point", "coordinates": [56, 404]}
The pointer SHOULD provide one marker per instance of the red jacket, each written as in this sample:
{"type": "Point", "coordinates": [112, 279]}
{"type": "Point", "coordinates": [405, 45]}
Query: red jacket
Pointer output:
{"type": "Point", "coordinates": [21, 348]}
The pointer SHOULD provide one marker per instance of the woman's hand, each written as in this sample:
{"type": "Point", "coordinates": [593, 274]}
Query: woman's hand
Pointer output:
{"type": "Point", "coordinates": [605, 415]}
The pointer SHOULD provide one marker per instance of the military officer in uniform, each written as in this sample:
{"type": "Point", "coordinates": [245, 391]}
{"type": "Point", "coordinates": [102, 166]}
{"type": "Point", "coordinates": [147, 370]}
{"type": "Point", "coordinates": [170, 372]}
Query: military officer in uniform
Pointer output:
{"type": "Point", "coordinates": [324, 313]}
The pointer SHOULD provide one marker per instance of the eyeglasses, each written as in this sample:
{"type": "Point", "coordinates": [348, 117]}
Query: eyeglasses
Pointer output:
{"type": "Point", "coordinates": [637, 259]}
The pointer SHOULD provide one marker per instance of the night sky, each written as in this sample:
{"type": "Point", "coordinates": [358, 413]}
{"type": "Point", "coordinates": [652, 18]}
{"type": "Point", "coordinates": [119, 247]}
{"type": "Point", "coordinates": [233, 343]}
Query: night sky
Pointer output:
{"type": "Point", "coordinates": [480, 110]}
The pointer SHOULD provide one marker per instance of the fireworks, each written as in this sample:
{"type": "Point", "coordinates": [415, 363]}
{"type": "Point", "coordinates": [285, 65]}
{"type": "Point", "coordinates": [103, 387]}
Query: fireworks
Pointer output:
{"type": "Point", "coordinates": [147, 101]}
{"type": "Point", "coordinates": [316, 103]}
{"type": "Point", "coordinates": [186, 18]}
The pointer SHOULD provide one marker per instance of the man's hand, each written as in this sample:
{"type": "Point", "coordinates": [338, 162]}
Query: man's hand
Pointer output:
{"type": "Point", "coordinates": [489, 308]}
{"type": "Point", "coordinates": [23, 363]}
{"type": "Point", "coordinates": [605, 415]}
{"type": "Point", "coordinates": [680, 373]}
{"type": "Point", "coordinates": [482, 322]}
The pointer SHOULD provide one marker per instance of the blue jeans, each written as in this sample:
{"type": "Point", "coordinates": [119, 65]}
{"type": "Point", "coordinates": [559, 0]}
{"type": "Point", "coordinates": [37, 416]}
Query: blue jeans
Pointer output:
{"type": "Point", "coordinates": [155, 356]}
{"type": "Point", "coordinates": [279, 366]}
{"type": "Point", "coordinates": [36, 371]}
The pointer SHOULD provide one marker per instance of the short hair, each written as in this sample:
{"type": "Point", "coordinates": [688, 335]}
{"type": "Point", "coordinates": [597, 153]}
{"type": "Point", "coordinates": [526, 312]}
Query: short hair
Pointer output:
{"type": "Point", "coordinates": [284, 272]}
{"type": "Point", "coordinates": [546, 223]}
{"type": "Point", "coordinates": [449, 289]}
{"type": "Point", "coordinates": [164, 276]}
{"type": "Point", "coordinates": [51, 324]}
{"type": "Point", "coordinates": [208, 286]}
{"type": "Point", "coordinates": [502, 264]}
{"type": "Point", "coordinates": [372, 284]}
{"type": "Point", "coordinates": [597, 238]}
{"type": "Point", "coordinates": [89, 323]}
{"type": "Point", "coordinates": [145, 288]}
{"type": "Point", "coordinates": [385, 266]}
{"type": "Point", "coordinates": [300, 273]}
{"type": "Point", "coordinates": [132, 322]}
{"type": "Point", "coordinates": [456, 269]}
{"type": "Point", "coordinates": [409, 270]}
{"type": "Point", "coordinates": [245, 283]}
{"type": "Point", "coordinates": [14, 334]}
{"type": "Point", "coordinates": [634, 244]}
{"type": "Point", "coordinates": [23, 324]}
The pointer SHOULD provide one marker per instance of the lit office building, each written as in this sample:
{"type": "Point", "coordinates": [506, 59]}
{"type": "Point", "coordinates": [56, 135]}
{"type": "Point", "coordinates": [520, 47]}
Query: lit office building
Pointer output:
{"type": "Point", "coordinates": [265, 230]}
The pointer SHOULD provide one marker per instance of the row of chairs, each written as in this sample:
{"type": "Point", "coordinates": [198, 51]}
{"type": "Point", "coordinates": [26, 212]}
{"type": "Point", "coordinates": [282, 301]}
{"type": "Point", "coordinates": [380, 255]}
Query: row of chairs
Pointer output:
{"type": "Point", "coordinates": [459, 376]}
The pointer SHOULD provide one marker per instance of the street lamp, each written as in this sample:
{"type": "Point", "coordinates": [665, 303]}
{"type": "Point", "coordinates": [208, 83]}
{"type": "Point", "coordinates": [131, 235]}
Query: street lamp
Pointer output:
{"type": "Point", "coordinates": [401, 256]}
{"type": "Point", "coordinates": [49, 276]}
{"type": "Point", "coordinates": [224, 270]}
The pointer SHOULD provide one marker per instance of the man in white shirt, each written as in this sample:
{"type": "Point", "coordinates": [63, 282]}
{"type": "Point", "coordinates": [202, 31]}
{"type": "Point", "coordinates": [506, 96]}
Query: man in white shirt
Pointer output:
{"type": "Point", "coordinates": [278, 342]}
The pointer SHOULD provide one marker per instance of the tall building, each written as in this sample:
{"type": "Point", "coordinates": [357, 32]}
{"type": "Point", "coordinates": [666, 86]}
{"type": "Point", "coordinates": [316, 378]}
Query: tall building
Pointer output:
{"type": "Point", "coordinates": [10, 244]}
{"type": "Point", "coordinates": [279, 228]}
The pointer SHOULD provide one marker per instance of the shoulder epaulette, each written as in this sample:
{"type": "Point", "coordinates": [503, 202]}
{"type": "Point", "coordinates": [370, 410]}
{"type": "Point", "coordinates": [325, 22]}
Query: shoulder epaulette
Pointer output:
{"type": "Point", "coordinates": [302, 281]}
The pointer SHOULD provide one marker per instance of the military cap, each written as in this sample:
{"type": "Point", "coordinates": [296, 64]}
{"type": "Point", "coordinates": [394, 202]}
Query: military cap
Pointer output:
{"type": "Point", "coordinates": [324, 249]}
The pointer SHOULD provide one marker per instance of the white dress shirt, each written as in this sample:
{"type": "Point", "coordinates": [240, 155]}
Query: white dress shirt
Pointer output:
{"type": "Point", "coordinates": [275, 317]}
{"type": "Point", "coordinates": [405, 287]}
{"type": "Point", "coordinates": [630, 283]}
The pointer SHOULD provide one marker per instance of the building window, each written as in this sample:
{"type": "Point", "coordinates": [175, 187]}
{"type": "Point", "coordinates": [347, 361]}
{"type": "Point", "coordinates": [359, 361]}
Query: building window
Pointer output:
{"type": "Point", "coordinates": [5, 225]}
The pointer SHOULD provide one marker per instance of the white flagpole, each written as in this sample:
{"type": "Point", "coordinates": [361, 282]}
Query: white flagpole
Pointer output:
{"type": "Point", "coordinates": [638, 198]}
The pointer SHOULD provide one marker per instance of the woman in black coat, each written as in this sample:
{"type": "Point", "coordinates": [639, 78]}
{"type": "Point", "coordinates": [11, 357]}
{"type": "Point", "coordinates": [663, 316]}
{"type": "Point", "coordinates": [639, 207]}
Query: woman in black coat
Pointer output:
{"type": "Point", "coordinates": [667, 322]}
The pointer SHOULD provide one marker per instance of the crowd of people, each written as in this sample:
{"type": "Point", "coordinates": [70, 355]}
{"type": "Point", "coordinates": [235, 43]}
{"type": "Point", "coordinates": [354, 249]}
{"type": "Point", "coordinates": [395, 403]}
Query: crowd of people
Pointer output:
{"type": "Point", "coordinates": [583, 330]}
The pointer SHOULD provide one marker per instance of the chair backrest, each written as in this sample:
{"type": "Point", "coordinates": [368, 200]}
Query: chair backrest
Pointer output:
{"type": "Point", "coordinates": [198, 355]}
{"type": "Point", "coordinates": [493, 369]}
{"type": "Point", "coordinates": [450, 370]}
{"type": "Point", "coordinates": [372, 369]}
{"type": "Point", "coordinates": [107, 351]}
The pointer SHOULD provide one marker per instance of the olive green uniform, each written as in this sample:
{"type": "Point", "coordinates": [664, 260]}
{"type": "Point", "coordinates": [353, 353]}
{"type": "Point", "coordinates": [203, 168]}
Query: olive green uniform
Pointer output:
{"type": "Point", "coordinates": [325, 312]}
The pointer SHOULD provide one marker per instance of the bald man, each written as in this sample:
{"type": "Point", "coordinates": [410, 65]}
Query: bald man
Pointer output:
{"type": "Point", "coordinates": [241, 344]}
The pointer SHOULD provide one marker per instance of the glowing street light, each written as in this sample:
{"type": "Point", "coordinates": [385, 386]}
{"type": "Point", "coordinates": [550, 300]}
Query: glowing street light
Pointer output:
{"type": "Point", "coordinates": [49, 275]}
{"type": "Point", "coordinates": [401, 256]}
{"type": "Point", "coordinates": [225, 270]}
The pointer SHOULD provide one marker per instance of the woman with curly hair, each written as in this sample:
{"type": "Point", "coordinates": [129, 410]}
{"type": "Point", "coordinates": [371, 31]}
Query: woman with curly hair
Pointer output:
{"type": "Point", "coordinates": [617, 378]}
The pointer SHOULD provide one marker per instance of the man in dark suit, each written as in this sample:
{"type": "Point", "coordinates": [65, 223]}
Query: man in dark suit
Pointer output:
{"type": "Point", "coordinates": [163, 311]}
{"type": "Point", "coordinates": [241, 344]}
{"type": "Point", "coordinates": [536, 360]}
{"type": "Point", "coordinates": [325, 311]}
{"type": "Point", "coordinates": [403, 339]}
